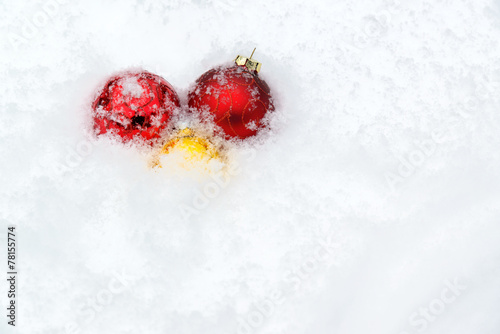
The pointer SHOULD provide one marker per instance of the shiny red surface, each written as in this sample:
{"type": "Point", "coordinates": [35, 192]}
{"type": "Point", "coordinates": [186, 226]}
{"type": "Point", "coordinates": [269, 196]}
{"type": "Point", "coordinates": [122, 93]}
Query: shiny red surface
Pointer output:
{"type": "Point", "coordinates": [131, 117]}
{"type": "Point", "coordinates": [237, 98]}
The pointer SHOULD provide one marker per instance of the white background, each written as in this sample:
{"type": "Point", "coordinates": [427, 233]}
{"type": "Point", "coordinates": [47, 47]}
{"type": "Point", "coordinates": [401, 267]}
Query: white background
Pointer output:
{"type": "Point", "coordinates": [377, 188]}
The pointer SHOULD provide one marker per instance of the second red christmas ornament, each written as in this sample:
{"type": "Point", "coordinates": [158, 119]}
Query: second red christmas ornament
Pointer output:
{"type": "Point", "coordinates": [234, 96]}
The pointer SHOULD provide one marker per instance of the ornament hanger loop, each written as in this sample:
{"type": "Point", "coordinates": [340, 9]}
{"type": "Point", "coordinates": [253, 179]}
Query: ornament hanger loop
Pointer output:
{"type": "Point", "coordinates": [249, 62]}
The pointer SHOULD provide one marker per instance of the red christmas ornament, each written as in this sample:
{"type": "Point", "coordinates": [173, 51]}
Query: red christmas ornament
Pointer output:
{"type": "Point", "coordinates": [235, 96]}
{"type": "Point", "coordinates": [134, 106]}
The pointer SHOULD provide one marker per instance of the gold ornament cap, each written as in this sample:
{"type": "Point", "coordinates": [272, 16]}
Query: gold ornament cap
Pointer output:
{"type": "Point", "coordinates": [249, 63]}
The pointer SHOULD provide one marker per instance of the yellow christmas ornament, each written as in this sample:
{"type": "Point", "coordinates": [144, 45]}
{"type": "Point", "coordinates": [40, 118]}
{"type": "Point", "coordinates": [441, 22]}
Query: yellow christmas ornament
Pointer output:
{"type": "Point", "coordinates": [189, 151]}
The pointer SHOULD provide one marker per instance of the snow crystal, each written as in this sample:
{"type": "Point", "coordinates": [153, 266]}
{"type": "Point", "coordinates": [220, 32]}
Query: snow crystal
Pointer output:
{"type": "Point", "coordinates": [132, 87]}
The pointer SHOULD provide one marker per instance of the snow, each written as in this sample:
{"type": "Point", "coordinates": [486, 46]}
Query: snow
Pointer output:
{"type": "Point", "coordinates": [371, 207]}
{"type": "Point", "coordinates": [131, 87]}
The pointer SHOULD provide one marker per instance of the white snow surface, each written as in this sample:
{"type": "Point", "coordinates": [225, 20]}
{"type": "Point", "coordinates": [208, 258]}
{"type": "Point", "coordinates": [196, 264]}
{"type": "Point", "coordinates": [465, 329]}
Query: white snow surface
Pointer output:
{"type": "Point", "coordinates": [372, 206]}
